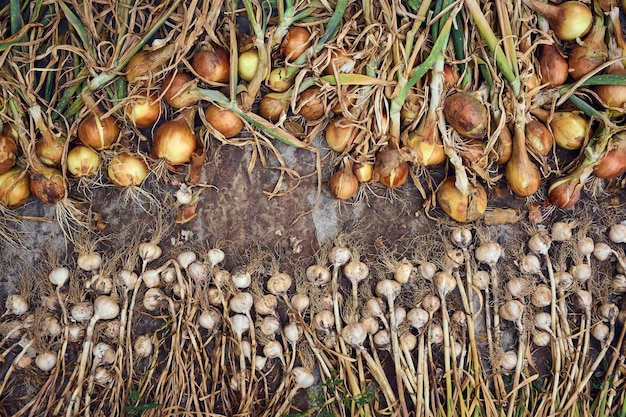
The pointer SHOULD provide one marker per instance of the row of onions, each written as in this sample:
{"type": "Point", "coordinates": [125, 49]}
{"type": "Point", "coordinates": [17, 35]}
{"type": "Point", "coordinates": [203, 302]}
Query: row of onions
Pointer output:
{"type": "Point", "coordinates": [533, 328]}
{"type": "Point", "coordinates": [397, 91]}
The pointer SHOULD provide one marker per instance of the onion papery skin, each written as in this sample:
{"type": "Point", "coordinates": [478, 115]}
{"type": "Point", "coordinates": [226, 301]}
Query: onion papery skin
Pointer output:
{"type": "Point", "coordinates": [212, 64]}
{"type": "Point", "coordinates": [125, 170]}
{"type": "Point", "coordinates": [14, 191]}
{"type": "Point", "coordinates": [8, 153]}
{"type": "Point", "coordinates": [466, 114]}
{"type": "Point", "coordinates": [174, 141]}
{"type": "Point", "coordinates": [98, 132]}
{"type": "Point", "coordinates": [223, 120]}
{"type": "Point", "coordinates": [83, 161]}
{"type": "Point", "coordinates": [462, 208]}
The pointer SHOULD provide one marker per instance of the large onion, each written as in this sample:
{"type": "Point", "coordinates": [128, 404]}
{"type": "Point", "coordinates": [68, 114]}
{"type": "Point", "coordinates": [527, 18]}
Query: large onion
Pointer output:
{"type": "Point", "coordinates": [127, 170]}
{"type": "Point", "coordinates": [98, 132]}
{"type": "Point", "coordinates": [174, 141]}
{"type": "Point", "coordinates": [212, 64]}
{"type": "Point", "coordinates": [466, 114]}
{"type": "Point", "coordinates": [223, 120]}
{"type": "Point", "coordinates": [462, 208]}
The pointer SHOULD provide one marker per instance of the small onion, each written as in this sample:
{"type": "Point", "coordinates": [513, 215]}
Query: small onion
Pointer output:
{"type": "Point", "coordinates": [617, 233]}
{"type": "Point", "coordinates": [16, 304]}
{"type": "Point", "coordinates": [541, 339]}
{"type": "Point", "coordinates": [343, 184]}
{"type": "Point", "coordinates": [318, 275]}
{"type": "Point", "coordinates": [512, 310]}
{"type": "Point", "coordinates": [248, 64]}
{"type": "Point", "coordinates": [542, 296]}
{"type": "Point", "coordinates": [618, 284]}
{"type": "Point", "coordinates": [553, 68]}
{"type": "Point", "coordinates": [173, 92]}
{"type": "Point", "coordinates": [279, 80]}
{"type": "Point", "coordinates": [310, 104]}
{"type": "Point", "coordinates": [600, 331]}
{"type": "Point", "coordinates": [508, 362]}
{"type": "Point", "coordinates": [272, 106]}
{"type": "Point", "coordinates": [46, 361]}
{"type": "Point", "coordinates": [210, 319]}
{"type": "Point", "coordinates": [608, 311]}
{"type": "Point", "coordinates": [340, 135]}
{"type": "Point", "coordinates": [538, 138]}
{"type": "Point", "coordinates": [602, 251]}
{"type": "Point", "coordinates": [8, 152]}
{"type": "Point", "coordinates": [390, 168]}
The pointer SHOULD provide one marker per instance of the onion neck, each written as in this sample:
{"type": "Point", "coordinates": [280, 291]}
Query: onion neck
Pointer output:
{"type": "Point", "coordinates": [546, 9]}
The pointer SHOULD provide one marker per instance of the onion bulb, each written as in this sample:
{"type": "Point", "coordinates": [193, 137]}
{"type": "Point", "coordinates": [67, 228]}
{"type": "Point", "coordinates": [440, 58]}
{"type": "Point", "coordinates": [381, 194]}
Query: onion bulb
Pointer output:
{"type": "Point", "coordinates": [425, 143]}
{"type": "Point", "coordinates": [390, 168]}
{"type": "Point", "coordinates": [521, 173]}
{"type": "Point", "coordinates": [552, 66]}
{"type": "Point", "coordinates": [565, 192]}
{"type": "Point", "coordinates": [279, 80]}
{"type": "Point", "coordinates": [310, 104]}
{"type": "Point", "coordinates": [82, 161]}
{"type": "Point", "coordinates": [8, 152]}
{"type": "Point", "coordinates": [125, 170]}
{"type": "Point", "coordinates": [617, 233]}
{"type": "Point", "coordinates": [98, 132]}
{"type": "Point", "coordinates": [343, 184]}
{"type": "Point", "coordinates": [46, 361]}
{"type": "Point", "coordinates": [248, 64]}
{"type": "Point", "coordinates": [340, 135]}
{"type": "Point", "coordinates": [16, 304]}
{"type": "Point", "coordinates": [538, 138]}
{"type": "Point", "coordinates": [340, 61]}
{"type": "Point", "coordinates": [14, 187]}
{"type": "Point", "coordinates": [174, 141]}
{"type": "Point", "coordinates": [212, 64]}
{"type": "Point", "coordinates": [568, 20]}
{"type": "Point", "coordinates": [588, 55]}
{"type": "Point", "coordinates": [144, 64]}
{"type": "Point", "coordinates": [462, 208]}
{"type": "Point", "coordinates": [612, 163]}
{"type": "Point", "coordinates": [223, 120]}
{"type": "Point", "coordinates": [569, 129]}
{"type": "Point", "coordinates": [144, 111]}
{"type": "Point", "coordinates": [50, 147]}
{"type": "Point", "coordinates": [466, 114]}
{"type": "Point", "coordinates": [173, 90]}
{"type": "Point", "coordinates": [46, 183]}
{"type": "Point", "coordinates": [295, 43]}
{"type": "Point", "coordinates": [272, 106]}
